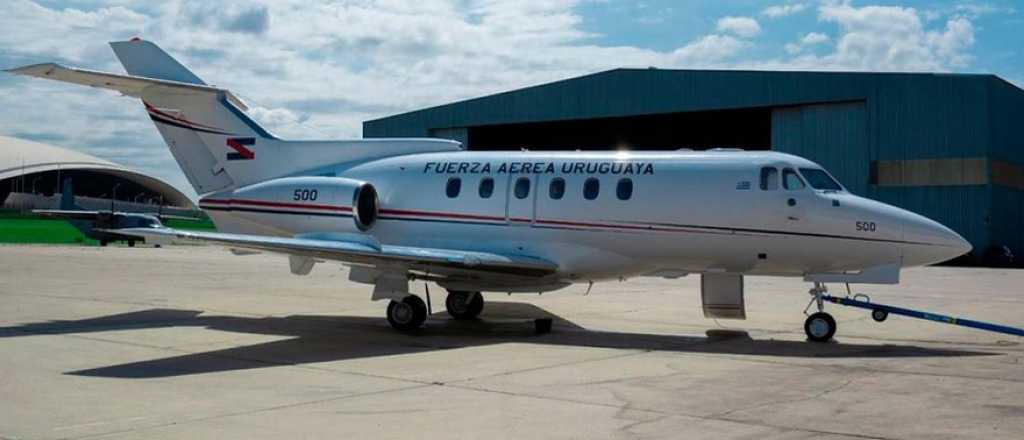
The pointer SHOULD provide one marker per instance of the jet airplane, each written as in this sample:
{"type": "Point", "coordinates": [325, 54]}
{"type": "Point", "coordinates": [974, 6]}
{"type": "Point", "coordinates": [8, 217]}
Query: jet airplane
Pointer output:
{"type": "Point", "coordinates": [401, 210]}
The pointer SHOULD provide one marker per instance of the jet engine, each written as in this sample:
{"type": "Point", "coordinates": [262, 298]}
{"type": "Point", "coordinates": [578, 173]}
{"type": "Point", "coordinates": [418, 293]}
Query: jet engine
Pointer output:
{"type": "Point", "coordinates": [317, 199]}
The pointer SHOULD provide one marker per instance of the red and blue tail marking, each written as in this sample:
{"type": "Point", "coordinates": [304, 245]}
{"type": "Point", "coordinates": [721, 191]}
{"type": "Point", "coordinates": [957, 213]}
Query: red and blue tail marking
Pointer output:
{"type": "Point", "coordinates": [241, 152]}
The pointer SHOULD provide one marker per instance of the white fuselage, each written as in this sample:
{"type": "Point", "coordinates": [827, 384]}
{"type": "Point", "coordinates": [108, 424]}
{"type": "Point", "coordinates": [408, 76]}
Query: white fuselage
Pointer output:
{"type": "Point", "coordinates": [687, 212]}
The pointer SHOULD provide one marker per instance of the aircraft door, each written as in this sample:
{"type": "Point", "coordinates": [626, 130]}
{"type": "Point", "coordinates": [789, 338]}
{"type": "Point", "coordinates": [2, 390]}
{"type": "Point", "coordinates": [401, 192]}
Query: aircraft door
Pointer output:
{"type": "Point", "coordinates": [521, 199]}
{"type": "Point", "coordinates": [797, 195]}
{"type": "Point", "coordinates": [786, 195]}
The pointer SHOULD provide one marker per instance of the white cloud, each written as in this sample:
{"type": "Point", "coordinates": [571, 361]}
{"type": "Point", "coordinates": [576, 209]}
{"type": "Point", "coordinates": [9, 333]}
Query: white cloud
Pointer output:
{"type": "Point", "coordinates": [975, 10]}
{"type": "Point", "coordinates": [711, 48]}
{"type": "Point", "coordinates": [809, 40]}
{"type": "Point", "coordinates": [743, 26]}
{"type": "Point", "coordinates": [894, 38]}
{"type": "Point", "coordinates": [779, 11]}
{"type": "Point", "coordinates": [276, 117]}
{"type": "Point", "coordinates": [813, 38]}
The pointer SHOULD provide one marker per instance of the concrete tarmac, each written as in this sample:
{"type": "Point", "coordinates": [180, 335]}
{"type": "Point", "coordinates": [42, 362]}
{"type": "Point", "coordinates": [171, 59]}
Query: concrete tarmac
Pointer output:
{"type": "Point", "coordinates": [193, 342]}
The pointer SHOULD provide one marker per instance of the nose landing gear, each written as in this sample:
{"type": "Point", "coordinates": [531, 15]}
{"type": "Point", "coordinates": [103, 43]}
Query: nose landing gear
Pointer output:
{"type": "Point", "coordinates": [819, 326]}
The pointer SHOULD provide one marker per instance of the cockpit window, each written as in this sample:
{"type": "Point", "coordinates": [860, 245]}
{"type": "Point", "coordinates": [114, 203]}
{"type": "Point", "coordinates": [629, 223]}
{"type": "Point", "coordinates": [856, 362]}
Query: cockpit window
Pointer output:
{"type": "Point", "coordinates": [769, 179]}
{"type": "Point", "coordinates": [791, 181]}
{"type": "Point", "coordinates": [819, 179]}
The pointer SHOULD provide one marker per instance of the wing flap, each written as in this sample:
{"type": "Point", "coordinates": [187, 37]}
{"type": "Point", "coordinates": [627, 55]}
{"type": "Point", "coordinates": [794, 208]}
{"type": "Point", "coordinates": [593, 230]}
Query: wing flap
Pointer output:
{"type": "Point", "coordinates": [361, 251]}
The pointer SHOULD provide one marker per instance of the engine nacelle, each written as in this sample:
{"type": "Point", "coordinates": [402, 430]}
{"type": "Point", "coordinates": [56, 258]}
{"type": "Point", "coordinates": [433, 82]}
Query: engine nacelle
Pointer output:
{"type": "Point", "coordinates": [323, 199]}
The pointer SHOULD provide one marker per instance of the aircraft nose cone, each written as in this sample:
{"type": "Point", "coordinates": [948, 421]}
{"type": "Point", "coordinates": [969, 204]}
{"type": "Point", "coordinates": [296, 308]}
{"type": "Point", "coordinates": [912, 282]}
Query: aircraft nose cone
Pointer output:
{"type": "Point", "coordinates": [929, 242]}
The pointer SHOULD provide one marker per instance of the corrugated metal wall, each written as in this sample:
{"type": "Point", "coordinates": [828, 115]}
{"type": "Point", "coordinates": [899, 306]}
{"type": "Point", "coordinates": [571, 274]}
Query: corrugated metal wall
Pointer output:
{"type": "Point", "coordinates": [833, 135]}
{"type": "Point", "coordinates": [1006, 109]}
{"type": "Point", "coordinates": [629, 92]}
{"type": "Point", "coordinates": [1008, 218]}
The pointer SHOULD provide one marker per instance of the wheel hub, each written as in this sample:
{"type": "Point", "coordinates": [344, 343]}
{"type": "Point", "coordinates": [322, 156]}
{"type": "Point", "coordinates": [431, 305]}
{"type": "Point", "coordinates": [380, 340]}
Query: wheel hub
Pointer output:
{"type": "Point", "coordinates": [460, 303]}
{"type": "Point", "coordinates": [819, 327]}
{"type": "Point", "coordinates": [402, 313]}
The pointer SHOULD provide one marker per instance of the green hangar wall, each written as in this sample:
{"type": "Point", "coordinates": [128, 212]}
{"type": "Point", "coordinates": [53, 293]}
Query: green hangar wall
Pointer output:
{"type": "Point", "coordinates": [948, 146]}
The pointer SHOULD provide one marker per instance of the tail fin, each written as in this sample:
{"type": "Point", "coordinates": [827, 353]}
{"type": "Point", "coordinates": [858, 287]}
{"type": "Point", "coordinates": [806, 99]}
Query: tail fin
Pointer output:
{"type": "Point", "coordinates": [205, 127]}
{"type": "Point", "coordinates": [145, 59]}
{"type": "Point", "coordinates": [67, 197]}
{"type": "Point", "coordinates": [208, 133]}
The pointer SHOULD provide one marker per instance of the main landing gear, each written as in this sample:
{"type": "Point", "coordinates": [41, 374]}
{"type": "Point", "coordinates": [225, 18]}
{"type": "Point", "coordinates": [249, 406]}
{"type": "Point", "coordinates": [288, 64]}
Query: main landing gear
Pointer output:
{"type": "Point", "coordinates": [407, 314]}
{"type": "Point", "coordinates": [410, 312]}
{"type": "Point", "coordinates": [464, 305]}
{"type": "Point", "coordinates": [819, 326]}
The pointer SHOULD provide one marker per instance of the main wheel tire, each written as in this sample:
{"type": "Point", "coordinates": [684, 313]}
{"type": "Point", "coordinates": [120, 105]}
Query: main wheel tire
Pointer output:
{"type": "Point", "coordinates": [464, 305]}
{"type": "Point", "coordinates": [820, 327]}
{"type": "Point", "coordinates": [879, 315]}
{"type": "Point", "coordinates": [103, 243]}
{"type": "Point", "coordinates": [407, 314]}
{"type": "Point", "coordinates": [131, 243]}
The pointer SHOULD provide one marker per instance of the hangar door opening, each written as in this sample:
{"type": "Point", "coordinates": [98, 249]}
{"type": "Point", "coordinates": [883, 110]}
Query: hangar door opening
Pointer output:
{"type": "Point", "coordinates": [749, 129]}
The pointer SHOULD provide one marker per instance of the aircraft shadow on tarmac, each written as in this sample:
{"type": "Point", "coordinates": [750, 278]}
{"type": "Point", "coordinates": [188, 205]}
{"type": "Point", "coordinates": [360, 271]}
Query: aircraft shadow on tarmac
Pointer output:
{"type": "Point", "coordinates": [332, 338]}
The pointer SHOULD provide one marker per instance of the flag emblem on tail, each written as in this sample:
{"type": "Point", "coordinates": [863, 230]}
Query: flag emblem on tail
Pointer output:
{"type": "Point", "coordinates": [241, 152]}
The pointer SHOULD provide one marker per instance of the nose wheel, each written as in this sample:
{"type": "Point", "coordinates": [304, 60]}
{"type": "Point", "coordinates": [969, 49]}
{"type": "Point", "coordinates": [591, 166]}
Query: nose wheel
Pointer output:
{"type": "Point", "coordinates": [819, 326]}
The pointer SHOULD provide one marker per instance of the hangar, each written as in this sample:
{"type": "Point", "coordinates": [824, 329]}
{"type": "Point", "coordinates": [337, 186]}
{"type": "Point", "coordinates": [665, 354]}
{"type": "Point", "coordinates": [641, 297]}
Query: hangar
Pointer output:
{"type": "Point", "coordinates": [947, 146]}
{"type": "Point", "coordinates": [31, 172]}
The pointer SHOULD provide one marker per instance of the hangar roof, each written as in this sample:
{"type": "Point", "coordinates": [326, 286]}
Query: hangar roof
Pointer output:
{"type": "Point", "coordinates": [19, 156]}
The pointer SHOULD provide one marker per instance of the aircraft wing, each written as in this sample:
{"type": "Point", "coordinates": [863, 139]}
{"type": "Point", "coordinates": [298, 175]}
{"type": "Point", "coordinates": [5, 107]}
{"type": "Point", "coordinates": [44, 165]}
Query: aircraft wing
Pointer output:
{"type": "Point", "coordinates": [362, 249]}
{"type": "Point", "coordinates": [68, 214]}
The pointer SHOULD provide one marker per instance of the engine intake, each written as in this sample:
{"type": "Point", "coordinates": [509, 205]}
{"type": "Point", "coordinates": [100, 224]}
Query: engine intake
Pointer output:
{"type": "Point", "coordinates": [364, 206]}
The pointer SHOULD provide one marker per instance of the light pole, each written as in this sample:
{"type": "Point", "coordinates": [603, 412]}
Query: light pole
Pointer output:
{"type": "Point", "coordinates": [34, 183]}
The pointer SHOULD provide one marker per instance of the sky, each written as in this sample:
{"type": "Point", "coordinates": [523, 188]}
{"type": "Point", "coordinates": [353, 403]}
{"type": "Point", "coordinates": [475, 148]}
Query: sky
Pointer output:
{"type": "Point", "coordinates": [317, 69]}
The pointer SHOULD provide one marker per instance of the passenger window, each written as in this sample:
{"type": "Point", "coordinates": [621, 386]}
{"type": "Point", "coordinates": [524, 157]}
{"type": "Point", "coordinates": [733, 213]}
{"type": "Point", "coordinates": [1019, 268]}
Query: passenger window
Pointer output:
{"type": "Point", "coordinates": [624, 189]}
{"type": "Point", "coordinates": [557, 188]}
{"type": "Point", "coordinates": [769, 179]}
{"type": "Point", "coordinates": [591, 188]}
{"type": "Point", "coordinates": [522, 188]}
{"type": "Point", "coordinates": [453, 187]}
{"type": "Point", "coordinates": [486, 188]}
{"type": "Point", "coordinates": [791, 181]}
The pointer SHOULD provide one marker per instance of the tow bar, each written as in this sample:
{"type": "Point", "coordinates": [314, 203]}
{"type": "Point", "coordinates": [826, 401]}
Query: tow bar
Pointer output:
{"type": "Point", "coordinates": [879, 312]}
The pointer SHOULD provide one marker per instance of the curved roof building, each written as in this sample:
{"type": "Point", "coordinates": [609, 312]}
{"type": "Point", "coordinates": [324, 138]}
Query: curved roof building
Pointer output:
{"type": "Point", "coordinates": [36, 168]}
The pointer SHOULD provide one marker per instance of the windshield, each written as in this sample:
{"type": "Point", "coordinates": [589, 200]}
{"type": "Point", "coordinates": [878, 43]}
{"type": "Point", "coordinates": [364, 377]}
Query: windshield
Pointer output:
{"type": "Point", "coordinates": [819, 179]}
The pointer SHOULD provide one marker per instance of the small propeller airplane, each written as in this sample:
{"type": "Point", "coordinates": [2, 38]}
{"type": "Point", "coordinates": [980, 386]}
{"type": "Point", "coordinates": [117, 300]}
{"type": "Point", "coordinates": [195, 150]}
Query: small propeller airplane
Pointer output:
{"type": "Point", "coordinates": [102, 225]}
{"type": "Point", "coordinates": [400, 210]}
